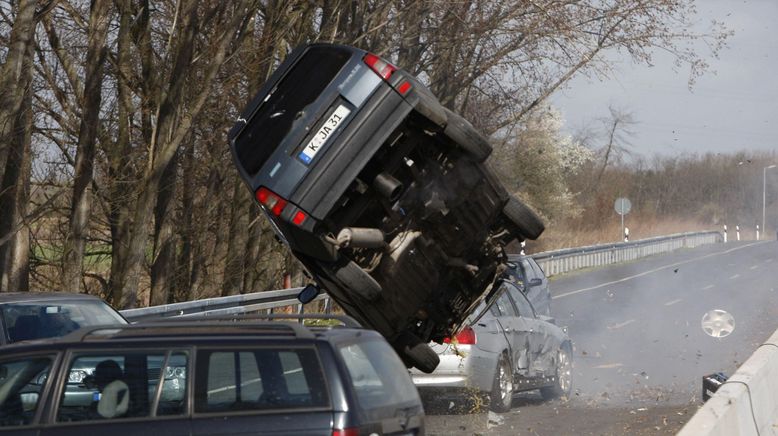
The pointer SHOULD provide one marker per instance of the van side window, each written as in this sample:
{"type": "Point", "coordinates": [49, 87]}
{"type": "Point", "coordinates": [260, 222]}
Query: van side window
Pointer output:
{"type": "Point", "coordinates": [21, 385]}
{"type": "Point", "coordinates": [258, 379]}
{"type": "Point", "coordinates": [378, 376]}
{"type": "Point", "coordinates": [119, 385]}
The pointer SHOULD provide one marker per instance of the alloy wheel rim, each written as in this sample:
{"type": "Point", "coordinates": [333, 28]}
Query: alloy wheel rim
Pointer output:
{"type": "Point", "coordinates": [564, 375]}
{"type": "Point", "coordinates": [506, 387]}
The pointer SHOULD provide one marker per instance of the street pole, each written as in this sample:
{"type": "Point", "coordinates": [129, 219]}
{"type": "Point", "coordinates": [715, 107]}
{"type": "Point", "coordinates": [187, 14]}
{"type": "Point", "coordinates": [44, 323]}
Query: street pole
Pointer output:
{"type": "Point", "coordinates": [764, 195]}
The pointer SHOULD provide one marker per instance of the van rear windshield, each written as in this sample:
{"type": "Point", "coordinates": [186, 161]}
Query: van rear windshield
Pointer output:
{"type": "Point", "coordinates": [287, 102]}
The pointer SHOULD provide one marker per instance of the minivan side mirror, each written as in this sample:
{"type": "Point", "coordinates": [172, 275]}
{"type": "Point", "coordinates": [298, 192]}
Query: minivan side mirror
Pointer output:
{"type": "Point", "coordinates": [535, 282]}
{"type": "Point", "coordinates": [308, 294]}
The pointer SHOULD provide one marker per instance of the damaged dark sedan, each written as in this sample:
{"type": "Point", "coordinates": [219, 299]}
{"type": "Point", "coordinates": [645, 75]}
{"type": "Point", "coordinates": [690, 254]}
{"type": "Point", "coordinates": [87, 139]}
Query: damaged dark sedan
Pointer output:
{"type": "Point", "coordinates": [381, 192]}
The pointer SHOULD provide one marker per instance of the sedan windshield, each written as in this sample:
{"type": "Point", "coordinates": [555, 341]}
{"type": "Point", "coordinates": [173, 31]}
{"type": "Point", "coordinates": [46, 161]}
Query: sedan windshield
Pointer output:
{"type": "Point", "coordinates": [26, 321]}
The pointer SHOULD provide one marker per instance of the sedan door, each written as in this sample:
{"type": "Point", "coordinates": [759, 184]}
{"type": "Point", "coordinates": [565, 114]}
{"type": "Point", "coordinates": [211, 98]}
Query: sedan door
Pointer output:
{"type": "Point", "coordinates": [516, 330]}
{"type": "Point", "coordinates": [543, 343]}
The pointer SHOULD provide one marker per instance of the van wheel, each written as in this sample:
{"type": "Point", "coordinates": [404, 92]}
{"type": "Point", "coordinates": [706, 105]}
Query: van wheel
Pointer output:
{"type": "Point", "coordinates": [520, 215]}
{"type": "Point", "coordinates": [416, 353]}
{"type": "Point", "coordinates": [357, 280]}
{"type": "Point", "coordinates": [564, 375]}
{"type": "Point", "coordinates": [467, 137]}
{"type": "Point", "coordinates": [501, 396]}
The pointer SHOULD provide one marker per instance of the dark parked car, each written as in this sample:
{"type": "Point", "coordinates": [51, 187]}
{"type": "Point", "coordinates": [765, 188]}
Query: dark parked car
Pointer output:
{"type": "Point", "coordinates": [381, 192]}
{"type": "Point", "coordinates": [26, 316]}
{"type": "Point", "coordinates": [531, 279]}
{"type": "Point", "coordinates": [506, 348]}
{"type": "Point", "coordinates": [226, 377]}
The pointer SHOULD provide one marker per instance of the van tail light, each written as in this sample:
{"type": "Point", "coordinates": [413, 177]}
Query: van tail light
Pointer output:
{"type": "Point", "coordinates": [465, 337]}
{"type": "Point", "coordinates": [271, 201]}
{"type": "Point", "coordinates": [380, 66]}
{"type": "Point", "coordinates": [353, 431]}
{"type": "Point", "coordinates": [299, 218]}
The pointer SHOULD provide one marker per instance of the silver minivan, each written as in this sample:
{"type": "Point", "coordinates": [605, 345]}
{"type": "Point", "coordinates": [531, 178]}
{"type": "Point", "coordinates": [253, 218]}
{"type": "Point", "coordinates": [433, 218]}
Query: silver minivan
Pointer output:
{"type": "Point", "coordinates": [505, 348]}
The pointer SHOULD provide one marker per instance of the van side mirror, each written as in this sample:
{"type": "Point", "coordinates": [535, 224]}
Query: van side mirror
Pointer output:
{"type": "Point", "coordinates": [308, 294]}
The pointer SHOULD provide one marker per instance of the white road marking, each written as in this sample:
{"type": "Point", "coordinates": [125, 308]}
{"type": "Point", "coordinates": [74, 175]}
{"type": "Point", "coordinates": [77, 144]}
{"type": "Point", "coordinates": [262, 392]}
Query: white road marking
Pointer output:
{"type": "Point", "coordinates": [734, 276]}
{"type": "Point", "coordinates": [644, 273]}
{"type": "Point", "coordinates": [670, 303]}
{"type": "Point", "coordinates": [708, 287]}
{"type": "Point", "coordinates": [768, 260]}
{"type": "Point", "coordinates": [618, 326]}
{"type": "Point", "coordinates": [754, 267]}
{"type": "Point", "coordinates": [608, 366]}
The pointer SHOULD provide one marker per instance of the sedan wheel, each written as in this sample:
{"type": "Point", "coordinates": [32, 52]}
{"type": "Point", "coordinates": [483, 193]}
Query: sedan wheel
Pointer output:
{"type": "Point", "coordinates": [502, 388]}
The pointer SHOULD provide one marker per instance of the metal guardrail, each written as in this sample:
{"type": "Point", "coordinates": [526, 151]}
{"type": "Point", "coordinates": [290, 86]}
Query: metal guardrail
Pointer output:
{"type": "Point", "coordinates": [570, 259]}
{"type": "Point", "coordinates": [552, 262]}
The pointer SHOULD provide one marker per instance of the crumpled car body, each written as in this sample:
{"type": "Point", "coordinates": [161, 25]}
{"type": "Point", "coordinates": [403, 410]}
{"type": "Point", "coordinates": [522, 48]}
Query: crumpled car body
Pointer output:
{"type": "Point", "coordinates": [499, 329]}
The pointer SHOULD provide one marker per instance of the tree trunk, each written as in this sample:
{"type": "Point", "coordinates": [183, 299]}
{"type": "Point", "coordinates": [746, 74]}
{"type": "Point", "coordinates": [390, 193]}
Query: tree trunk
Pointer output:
{"type": "Point", "coordinates": [183, 280]}
{"type": "Point", "coordinates": [163, 268]}
{"type": "Point", "coordinates": [236, 241]}
{"type": "Point", "coordinates": [11, 77]}
{"type": "Point", "coordinates": [85, 152]}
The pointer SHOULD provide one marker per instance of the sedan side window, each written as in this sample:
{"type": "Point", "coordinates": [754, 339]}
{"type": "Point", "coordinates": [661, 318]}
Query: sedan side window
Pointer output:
{"type": "Point", "coordinates": [21, 385]}
{"type": "Point", "coordinates": [524, 306]}
{"type": "Point", "coordinates": [504, 304]}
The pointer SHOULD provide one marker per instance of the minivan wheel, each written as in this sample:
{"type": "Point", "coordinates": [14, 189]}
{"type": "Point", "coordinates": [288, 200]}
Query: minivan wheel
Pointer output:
{"type": "Point", "coordinates": [358, 281]}
{"type": "Point", "coordinates": [467, 137]}
{"type": "Point", "coordinates": [502, 387]}
{"type": "Point", "coordinates": [519, 214]}
{"type": "Point", "coordinates": [416, 353]}
{"type": "Point", "coordinates": [564, 375]}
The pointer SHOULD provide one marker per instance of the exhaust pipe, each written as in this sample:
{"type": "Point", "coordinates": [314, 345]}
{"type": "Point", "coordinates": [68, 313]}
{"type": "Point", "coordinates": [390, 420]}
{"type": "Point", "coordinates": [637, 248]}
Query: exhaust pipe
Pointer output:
{"type": "Point", "coordinates": [361, 237]}
{"type": "Point", "coordinates": [388, 186]}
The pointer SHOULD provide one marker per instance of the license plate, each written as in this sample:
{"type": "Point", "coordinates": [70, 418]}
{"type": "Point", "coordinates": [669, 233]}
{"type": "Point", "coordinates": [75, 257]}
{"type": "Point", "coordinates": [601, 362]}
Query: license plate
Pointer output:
{"type": "Point", "coordinates": [317, 142]}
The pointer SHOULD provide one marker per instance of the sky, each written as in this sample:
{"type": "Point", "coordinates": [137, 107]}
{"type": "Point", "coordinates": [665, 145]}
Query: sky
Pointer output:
{"type": "Point", "coordinates": [731, 108]}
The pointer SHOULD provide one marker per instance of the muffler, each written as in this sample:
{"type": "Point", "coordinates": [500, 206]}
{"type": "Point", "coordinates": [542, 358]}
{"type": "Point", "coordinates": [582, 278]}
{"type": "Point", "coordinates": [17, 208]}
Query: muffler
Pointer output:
{"type": "Point", "coordinates": [388, 186]}
{"type": "Point", "coordinates": [361, 237]}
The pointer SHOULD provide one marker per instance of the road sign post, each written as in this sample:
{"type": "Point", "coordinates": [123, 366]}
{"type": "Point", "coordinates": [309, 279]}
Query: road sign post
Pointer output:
{"type": "Point", "coordinates": [622, 206]}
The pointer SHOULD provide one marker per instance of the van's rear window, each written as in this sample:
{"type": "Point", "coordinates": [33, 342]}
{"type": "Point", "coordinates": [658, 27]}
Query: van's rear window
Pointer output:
{"type": "Point", "coordinates": [298, 89]}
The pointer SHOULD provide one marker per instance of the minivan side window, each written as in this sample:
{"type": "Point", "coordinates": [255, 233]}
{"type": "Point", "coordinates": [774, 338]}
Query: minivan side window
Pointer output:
{"type": "Point", "coordinates": [259, 379]}
{"type": "Point", "coordinates": [123, 384]}
{"type": "Point", "coordinates": [21, 385]}
{"type": "Point", "coordinates": [378, 376]}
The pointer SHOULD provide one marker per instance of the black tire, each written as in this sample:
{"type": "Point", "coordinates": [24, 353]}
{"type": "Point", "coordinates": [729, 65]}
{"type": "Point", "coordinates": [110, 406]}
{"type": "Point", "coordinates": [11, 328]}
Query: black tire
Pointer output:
{"type": "Point", "coordinates": [563, 384]}
{"type": "Point", "coordinates": [467, 137]}
{"type": "Point", "coordinates": [501, 397]}
{"type": "Point", "coordinates": [415, 353]}
{"type": "Point", "coordinates": [520, 215]}
{"type": "Point", "coordinates": [430, 108]}
{"type": "Point", "coordinates": [358, 281]}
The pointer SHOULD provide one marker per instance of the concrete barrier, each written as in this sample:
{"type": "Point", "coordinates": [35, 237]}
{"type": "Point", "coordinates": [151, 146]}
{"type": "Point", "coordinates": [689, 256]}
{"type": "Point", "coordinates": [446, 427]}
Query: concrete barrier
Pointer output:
{"type": "Point", "coordinates": [747, 404]}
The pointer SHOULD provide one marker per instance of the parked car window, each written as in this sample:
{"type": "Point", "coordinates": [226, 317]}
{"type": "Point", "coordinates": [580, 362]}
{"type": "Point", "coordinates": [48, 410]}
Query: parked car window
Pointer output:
{"type": "Point", "coordinates": [36, 320]}
{"type": "Point", "coordinates": [524, 306]}
{"type": "Point", "coordinates": [172, 400]}
{"type": "Point", "coordinates": [378, 376]}
{"type": "Point", "coordinates": [268, 378]}
{"type": "Point", "coordinates": [504, 305]}
{"type": "Point", "coordinates": [536, 267]}
{"type": "Point", "coordinates": [21, 384]}
{"type": "Point", "coordinates": [121, 385]}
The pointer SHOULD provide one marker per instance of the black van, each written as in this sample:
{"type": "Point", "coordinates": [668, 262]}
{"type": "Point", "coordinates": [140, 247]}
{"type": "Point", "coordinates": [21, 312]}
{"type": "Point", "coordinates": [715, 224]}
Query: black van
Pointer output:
{"type": "Point", "coordinates": [221, 377]}
{"type": "Point", "coordinates": [381, 192]}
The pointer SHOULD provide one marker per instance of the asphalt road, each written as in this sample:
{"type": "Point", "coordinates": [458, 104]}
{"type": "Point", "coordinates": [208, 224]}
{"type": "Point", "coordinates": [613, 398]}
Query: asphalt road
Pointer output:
{"type": "Point", "coordinates": [639, 347]}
